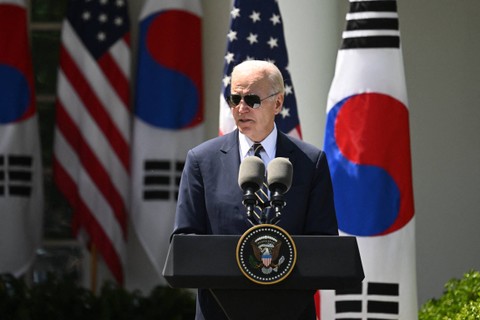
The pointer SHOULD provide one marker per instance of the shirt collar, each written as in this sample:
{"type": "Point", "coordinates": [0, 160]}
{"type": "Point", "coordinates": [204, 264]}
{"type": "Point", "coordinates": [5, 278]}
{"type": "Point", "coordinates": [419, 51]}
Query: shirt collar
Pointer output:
{"type": "Point", "coordinates": [269, 144]}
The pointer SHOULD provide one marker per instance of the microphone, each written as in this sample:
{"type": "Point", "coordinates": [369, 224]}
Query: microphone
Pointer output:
{"type": "Point", "coordinates": [280, 172]}
{"type": "Point", "coordinates": [250, 179]}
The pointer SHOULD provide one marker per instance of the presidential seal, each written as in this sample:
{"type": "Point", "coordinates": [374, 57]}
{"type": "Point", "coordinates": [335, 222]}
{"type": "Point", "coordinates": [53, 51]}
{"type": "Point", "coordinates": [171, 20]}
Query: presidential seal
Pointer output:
{"type": "Point", "coordinates": [266, 254]}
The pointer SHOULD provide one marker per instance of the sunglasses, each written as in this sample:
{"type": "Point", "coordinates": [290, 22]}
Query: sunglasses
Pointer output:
{"type": "Point", "coordinates": [252, 100]}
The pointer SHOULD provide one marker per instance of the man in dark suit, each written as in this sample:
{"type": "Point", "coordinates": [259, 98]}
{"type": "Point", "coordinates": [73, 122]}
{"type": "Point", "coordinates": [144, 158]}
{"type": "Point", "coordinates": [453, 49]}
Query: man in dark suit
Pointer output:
{"type": "Point", "coordinates": [210, 200]}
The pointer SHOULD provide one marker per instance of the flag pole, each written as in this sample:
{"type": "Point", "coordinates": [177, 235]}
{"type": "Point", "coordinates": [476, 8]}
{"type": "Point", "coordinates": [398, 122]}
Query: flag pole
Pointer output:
{"type": "Point", "coordinates": [93, 267]}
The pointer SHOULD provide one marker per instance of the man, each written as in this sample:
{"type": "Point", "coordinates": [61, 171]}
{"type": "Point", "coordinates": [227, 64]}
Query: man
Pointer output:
{"type": "Point", "coordinates": [210, 200]}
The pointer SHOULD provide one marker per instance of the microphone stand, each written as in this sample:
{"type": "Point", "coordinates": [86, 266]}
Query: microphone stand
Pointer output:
{"type": "Point", "coordinates": [250, 201]}
{"type": "Point", "coordinates": [277, 203]}
{"type": "Point", "coordinates": [263, 218]}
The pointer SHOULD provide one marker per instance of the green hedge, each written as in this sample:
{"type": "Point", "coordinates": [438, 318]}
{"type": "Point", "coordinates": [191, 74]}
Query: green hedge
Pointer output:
{"type": "Point", "coordinates": [62, 298]}
{"type": "Point", "coordinates": [460, 300]}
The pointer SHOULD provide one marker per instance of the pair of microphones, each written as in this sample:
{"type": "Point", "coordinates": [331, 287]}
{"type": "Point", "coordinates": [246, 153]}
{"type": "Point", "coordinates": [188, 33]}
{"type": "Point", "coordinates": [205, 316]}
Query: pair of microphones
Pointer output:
{"type": "Point", "coordinates": [251, 177]}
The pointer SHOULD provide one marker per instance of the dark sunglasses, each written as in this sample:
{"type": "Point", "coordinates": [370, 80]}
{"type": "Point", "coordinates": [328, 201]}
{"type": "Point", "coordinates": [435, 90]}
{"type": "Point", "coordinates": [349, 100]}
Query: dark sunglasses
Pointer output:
{"type": "Point", "coordinates": [252, 100]}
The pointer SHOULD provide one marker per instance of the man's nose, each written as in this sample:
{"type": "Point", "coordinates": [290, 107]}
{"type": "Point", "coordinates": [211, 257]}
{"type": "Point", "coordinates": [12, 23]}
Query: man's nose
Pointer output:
{"type": "Point", "coordinates": [243, 107]}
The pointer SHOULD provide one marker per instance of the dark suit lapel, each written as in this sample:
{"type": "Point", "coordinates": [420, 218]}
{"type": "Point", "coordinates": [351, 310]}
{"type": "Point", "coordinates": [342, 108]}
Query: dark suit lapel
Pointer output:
{"type": "Point", "coordinates": [229, 150]}
{"type": "Point", "coordinates": [285, 147]}
{"type": "Point", "coordinates": [230, 162]}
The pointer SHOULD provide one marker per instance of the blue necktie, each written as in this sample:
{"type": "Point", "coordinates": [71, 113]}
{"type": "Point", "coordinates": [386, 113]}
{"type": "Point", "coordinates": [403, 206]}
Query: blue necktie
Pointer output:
{"type": "Point", "coordinates": [262, 193]}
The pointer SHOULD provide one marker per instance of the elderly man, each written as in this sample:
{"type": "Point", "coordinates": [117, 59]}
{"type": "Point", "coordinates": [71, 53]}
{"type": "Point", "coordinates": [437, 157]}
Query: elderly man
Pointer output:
{"type": "Point", "coordinates": [210, 200]}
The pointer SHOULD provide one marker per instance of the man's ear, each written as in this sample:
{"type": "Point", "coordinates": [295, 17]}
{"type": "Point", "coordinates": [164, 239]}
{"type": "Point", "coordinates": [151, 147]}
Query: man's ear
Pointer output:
{"type": "Point", "coordinates": [279, 103]}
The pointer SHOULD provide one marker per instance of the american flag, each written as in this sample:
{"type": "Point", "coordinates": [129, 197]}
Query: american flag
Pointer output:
{"type": "Point", "coordinates": [256, 32]}
{"type": "Point", "coordinates": [92, 134]}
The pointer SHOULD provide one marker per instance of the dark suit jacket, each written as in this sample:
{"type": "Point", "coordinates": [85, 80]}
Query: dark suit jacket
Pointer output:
{"type": "Point", "coordinates": [210, 200]}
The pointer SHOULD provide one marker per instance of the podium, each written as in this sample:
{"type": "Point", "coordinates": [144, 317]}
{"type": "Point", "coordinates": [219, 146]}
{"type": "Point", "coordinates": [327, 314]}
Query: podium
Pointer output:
{"type": "Point", "coordinates": [209, 261]}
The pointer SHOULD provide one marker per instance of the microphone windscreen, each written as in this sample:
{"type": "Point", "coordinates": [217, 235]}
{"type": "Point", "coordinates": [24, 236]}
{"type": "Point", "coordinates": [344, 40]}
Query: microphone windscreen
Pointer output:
{"type": "Point", "coordinates": [280, 172]}
{"type": "Point", "coordinates": [251, 173]}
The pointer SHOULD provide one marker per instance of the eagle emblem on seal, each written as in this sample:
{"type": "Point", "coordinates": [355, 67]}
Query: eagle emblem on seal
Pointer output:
{"type": "Point", "coordinates": [266, 254]}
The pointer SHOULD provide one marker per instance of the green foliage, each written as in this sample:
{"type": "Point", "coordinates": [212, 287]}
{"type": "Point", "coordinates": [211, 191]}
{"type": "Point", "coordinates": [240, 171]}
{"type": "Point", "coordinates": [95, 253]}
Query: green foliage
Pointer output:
{"type": "Point", "coordinates": [62, 298]}
{"type": "Point", "coordinates": [460, 300]}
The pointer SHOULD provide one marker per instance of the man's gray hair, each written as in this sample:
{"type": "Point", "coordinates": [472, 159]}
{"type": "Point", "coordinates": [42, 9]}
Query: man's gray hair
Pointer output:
{"type": "Point", "coordinates": [271, 70]}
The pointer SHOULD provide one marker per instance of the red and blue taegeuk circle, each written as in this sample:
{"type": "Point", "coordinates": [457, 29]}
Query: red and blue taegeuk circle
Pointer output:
{"type": "Point", "coordinates": [17, 99]}
{"type": "Point", "coordinates": [169, 76]}
{"type": "Point", "coordinates": [368, 147]}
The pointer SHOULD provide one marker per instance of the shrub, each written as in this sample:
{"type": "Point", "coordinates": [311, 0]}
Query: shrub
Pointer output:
{"type": "Point", "coordinates": [460, 300]}
{"type": "Point", "coordinates": [61, 298]}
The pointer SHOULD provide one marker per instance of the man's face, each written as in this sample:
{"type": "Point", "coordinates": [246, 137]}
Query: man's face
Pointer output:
{"type": "Point", "coordinates": [256, 124]}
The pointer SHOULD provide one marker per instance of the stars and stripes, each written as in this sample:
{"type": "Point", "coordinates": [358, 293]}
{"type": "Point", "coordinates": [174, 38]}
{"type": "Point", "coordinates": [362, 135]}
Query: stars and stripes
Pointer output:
{"type": "Point", "coordinates": [256, 32]}
{"type": "Point", "coordinates": [92, 134]}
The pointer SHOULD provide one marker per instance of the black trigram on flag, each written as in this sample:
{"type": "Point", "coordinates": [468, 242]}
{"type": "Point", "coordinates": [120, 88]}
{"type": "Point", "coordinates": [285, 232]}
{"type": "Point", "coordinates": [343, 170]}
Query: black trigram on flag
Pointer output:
{"type": "Point", "coordinates": [372, 24]}
{"type": "Point", "coordinates": [16, 175]}
{"type": "Point", "coordinates": [379, 302]}
{"type": "Point", "coordinates": [161, 179]}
